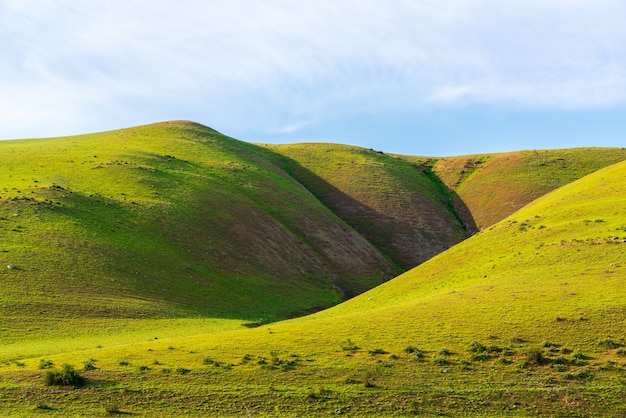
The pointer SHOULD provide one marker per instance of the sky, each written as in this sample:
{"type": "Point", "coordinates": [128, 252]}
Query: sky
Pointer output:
{"type": "Point", "coordinates": [421, 77]}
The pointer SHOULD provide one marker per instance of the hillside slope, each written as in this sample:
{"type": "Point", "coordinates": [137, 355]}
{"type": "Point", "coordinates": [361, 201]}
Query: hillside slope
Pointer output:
{"type": "Point", "coordinates": [555, 269]}
{"type": "Point", "coordinates": [388, 200]}
{"type": "Point", "coordinates": [487, 188]}
{"type": "Point", "coordinates": [526, 318]}
{"type": "Point", "coordinates": [170, 219]}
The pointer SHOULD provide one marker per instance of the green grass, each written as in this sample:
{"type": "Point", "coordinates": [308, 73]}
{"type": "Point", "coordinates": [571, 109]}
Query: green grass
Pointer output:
{"type": "Point", "coordinates": [388, 200]}
{"type": "Point", "coordinates": [526, 318]}
{"type": "Point", "coordinates": [171, 220]}
{"type": "Point", "coordinates": [487, 188]}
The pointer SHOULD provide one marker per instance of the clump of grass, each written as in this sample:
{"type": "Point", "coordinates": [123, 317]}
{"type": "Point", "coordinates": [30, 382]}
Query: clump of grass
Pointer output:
{"type": "Point", "coordinates": [418, 355]}
{"type": "Point", "coordinates": [246, 358]}
{"type": "Point", "coordinates": [67, 376]}
{"type": "Point", "coordinates": [208, 361]}
{"type": "Point", "coordinates": [476, 347]}
{"type": "Point", "coordinates": [534, 356]}
{"type": "Point", "coordinates": [378, 351]}
{"type": "Point", "coordinates": [609, 344]}
{"type": "Point", "coordinates": [89, 365]}
{"type": "Point", "coordinates": [621, 352]}
{"type": "Point", "coordinates": [43, 407]}
{"type": "Point", "coordinates": [112, 409]}
{"type": "Point", "coordinates": [445, 352]}
{"type": "Point", "coordinates": [45, 364]}
{"type": "Point", "coordinates": [441, 361]}
{"type": "Point", "coordinates": [182, 370]}
{"type": "Point", "coordinates": [348, 345]}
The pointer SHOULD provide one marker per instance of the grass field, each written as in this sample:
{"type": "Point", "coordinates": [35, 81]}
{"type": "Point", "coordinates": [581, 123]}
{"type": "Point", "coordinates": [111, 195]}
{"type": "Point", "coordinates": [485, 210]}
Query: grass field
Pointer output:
{"type": "Point", "coordinates": [525, 318]}
{"type": "Point", "coordinates": [489, 187]}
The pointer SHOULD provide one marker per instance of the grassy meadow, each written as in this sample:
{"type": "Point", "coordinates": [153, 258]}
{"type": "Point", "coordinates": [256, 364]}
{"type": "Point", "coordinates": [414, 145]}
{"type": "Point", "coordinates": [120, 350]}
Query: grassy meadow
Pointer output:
{"type": "Point", "coordinates": [108, 276]}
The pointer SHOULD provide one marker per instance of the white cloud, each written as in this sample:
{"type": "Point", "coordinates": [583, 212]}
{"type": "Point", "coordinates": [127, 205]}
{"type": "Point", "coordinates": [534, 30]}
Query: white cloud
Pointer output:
{"type": "Point", "coordinates": [266, 64]}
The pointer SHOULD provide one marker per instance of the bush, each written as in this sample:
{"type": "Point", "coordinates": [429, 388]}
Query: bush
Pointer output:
{"type": "Point", "coordinates": [609, 344]}
{"type": "Point", "coordinates": [67, 376]}
{"type": "Point", "coordinates": [476, 347]}
{"type": "Point", "coordinates": [535, 356]}
{"type": "Point", "coordinates": [348, 345]}
{"type": "Point", "coordinates": [445, 352]}
{"type": "Point", "coordinates": [89, 365]}
{"type": "Point", "coordinates": [441, 361]}
{"type": "Point", "coordinates": [45, 364]}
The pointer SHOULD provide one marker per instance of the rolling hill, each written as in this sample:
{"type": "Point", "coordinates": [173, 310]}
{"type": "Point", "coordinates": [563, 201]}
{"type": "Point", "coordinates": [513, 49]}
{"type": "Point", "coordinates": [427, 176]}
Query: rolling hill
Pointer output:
{"type": "Point", "coordinates": [165, 221]}
{"type": "Point", "coordinates": [525, 318]}
{"type": "Point", "coordinates": [487, 188]}
{"type": "Point", "coordinates": [389, 201]}
{"type": "Point", "coordinates": [175, 221]}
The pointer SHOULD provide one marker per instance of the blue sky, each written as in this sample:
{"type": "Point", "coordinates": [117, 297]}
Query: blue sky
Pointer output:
{"type": "Point", "coordinates": [422, 77]}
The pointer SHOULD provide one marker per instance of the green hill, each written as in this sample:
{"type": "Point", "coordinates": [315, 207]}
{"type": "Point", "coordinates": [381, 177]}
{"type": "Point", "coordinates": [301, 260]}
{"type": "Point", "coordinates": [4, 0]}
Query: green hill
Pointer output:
{"type": "Point", "coordinates": [489, 187]}
{"type": "Point", "coordinates": [175, 221]}
{"type": "Point", "coordinates": [164, 221]}
{"type": "Point", "coordinates": [388, 200]}
{"type": "Point", "coordinates": [525, 318]}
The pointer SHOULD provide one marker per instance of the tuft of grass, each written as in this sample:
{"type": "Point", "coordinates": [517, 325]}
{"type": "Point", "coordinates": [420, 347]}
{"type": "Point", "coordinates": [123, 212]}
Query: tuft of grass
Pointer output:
{"type": "Point", "coordinates": [67, 376]}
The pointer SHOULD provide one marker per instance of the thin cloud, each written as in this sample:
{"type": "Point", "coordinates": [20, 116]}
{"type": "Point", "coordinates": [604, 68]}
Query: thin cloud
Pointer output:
{"type": "Point", "coordinates": [249, 66]}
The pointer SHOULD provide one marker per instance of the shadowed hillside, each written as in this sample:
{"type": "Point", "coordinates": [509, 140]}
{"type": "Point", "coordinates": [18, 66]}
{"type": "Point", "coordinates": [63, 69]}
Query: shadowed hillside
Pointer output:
{"type": "Point", "coordinates": [388, 200]}
{"type": "Point", "coordinates": [170, 219]}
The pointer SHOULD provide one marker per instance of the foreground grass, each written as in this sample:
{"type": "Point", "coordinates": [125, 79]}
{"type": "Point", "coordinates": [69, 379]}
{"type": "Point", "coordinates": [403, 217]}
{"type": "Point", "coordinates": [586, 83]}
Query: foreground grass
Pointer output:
{"type": "Point", "coordinates": [167, 380]}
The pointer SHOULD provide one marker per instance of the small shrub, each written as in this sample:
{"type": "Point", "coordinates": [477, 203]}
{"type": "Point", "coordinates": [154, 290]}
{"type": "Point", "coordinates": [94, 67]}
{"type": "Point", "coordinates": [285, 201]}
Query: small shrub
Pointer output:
{"type": "Point", "coordinates": [584, 374]}
{"type": "Point", "coordinates": [89, 365]}
{"type": "Point", "coordinates": [246, 358]}
{"type": "Point", "coordinates": [441, 361]}
{"type": "Point", "coordinates": [445, 352]}
{"type": "Point", "coordinates": [348, 345]}
{"type": "Point", "coordinates": [560, 360]}
{"type": "Point", "coordinates": [123, 363]}
{"type": "Point", "coordinates": [409, 349]}
{"type": "Point", "coordinates": [45, 364]}
{"type": "Point", "coordinates": [609, 344]}
{"type": "Point", "coordinates": [476, 347]}
{"type": "Point", "coordinates": [621, 352]}
{"type": "Point", "coordinates": [182, 370]}
{"type": "Point", "coordinates": [112, 409]}
{"type": "Point", "coordinates": [67, 376]}
{"type": "Point", "coordinates": [378, 351]}
{"type": "Point", "coordinates": [548, 344]}
{"type": "Point", "coordinates": [480, 356]}
{"type": "Point", "coordinates": [535, 356]}
{"type": "Point", "coordinates": [143, 368]}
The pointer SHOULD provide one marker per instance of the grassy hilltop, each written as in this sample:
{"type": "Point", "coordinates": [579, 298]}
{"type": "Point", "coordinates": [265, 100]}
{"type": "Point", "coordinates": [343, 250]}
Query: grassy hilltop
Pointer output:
{"type": "Point", "coordinates": [136, 255]}
{"type": "Point", "coordinates": [165, 221]}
